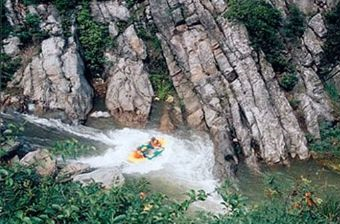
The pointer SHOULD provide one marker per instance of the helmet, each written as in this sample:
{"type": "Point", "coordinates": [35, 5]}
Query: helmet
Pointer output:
{"type": "Point", "coordinates": [153, 139]}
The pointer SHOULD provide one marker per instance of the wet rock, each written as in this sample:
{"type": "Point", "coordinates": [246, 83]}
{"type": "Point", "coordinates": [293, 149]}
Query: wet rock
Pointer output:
{"type": "Point", "coordinates": [41, 160]}
{"type": "Point", "coordinates": [98, 114]}
{"type": "Point", "coordinates": [11, 46]}
{"type": "Point", "coordinates": [108, 177]}
{"type": "Point", "coordinates": [166, 125]}
{"type": "Point", "coordinates": [71, 170]}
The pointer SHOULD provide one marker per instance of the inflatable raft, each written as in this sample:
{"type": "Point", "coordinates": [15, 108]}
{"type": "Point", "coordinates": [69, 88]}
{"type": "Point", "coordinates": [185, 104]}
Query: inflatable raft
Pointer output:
{"type": "Point", "coordinates": [137, 157]}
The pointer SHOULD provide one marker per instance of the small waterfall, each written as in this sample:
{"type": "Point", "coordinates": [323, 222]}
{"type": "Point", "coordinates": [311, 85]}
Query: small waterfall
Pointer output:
{"type": "Point", "coordinates": [186, 162]}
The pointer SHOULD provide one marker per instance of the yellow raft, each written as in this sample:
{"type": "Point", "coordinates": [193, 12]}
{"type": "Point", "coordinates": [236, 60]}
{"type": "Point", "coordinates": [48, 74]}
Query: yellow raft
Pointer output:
{"type": "Point", "coordinates": [135, 157]}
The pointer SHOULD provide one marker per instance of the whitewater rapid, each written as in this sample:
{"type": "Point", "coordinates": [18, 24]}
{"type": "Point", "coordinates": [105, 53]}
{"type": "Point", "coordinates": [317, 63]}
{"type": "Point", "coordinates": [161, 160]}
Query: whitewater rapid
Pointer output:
{"type": "Point", "coordinates": [186, 162]}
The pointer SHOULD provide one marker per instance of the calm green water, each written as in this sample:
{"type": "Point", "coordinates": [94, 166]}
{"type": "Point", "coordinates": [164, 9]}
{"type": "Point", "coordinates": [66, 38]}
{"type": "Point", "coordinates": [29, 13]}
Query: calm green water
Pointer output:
{"type": "Point", "coordinates": [323, 181]}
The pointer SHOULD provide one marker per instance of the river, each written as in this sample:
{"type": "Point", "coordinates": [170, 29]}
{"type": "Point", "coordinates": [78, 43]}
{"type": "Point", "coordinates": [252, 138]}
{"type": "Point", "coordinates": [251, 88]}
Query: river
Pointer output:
{"type": "Point", "coordinates": [186, 163]}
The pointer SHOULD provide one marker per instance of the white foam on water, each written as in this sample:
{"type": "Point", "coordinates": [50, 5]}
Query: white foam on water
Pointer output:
{"type": "Point", "coordinates": [186, 161]}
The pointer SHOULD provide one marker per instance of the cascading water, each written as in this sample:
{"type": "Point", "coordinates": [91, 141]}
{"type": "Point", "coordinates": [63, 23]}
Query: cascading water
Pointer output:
{"type": "Point", "coordinates": [186, 162]}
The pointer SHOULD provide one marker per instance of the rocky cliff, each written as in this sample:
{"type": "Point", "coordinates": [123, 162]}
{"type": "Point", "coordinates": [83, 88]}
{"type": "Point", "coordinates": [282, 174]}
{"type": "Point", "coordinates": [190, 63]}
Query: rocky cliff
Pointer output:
{"type": "Point", "coordinates": [226, 86]}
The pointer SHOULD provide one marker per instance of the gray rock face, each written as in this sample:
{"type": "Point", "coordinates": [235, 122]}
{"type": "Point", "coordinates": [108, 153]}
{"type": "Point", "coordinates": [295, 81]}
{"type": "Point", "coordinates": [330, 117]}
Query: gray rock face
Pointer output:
{"type": "Point", "coordinates": [71, 170]}
{"type": "Point", "coordinates": [313, 44]}
{"type": "Point", "coordinates": [107, 11]}
{"type": "Point", "coordinates": [108, 177]}
{"type": "Point", "coordinates": [41, 160]}
{"type": "Point", "coordinates": [55, 80]}
{"type": "Point", "coordinates": [129, 91]}
{"type": "Point", "coordinates": [318, 26]}
{"type": "Point", "coordinates": [226, 88]}
{"type": "Point", "coordinates": [11, 46]}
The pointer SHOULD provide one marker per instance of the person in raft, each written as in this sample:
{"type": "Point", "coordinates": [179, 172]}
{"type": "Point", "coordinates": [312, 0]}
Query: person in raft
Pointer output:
{"type": "Point", "coordinates": [155, 143]}
{"type": "Point", "coordinates": [143, 151]}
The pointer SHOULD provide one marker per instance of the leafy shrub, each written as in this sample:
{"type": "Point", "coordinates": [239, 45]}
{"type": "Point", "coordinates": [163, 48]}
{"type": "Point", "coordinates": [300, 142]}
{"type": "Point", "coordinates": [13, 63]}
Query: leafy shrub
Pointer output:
{"type": "Point", "coordinates": [27, 198]}
{"type": "Point", "coordinates": [234, 202]}
{"type": "Point", "coordinates": [329, 139]}
{"type": "Point", "coordinates": [262, 21]}
{"type": "Point", "coordinates": [288, 81]}
{"type": "Point", "coordinates": [264, 24]}
{"type": "Point", "coordinates": [65, 5]}
{"type": "Point", "coordinates": [30, 32]}
{"type": "Point", "coordinates": [72, 149]}
{"type": "Point", "coordinates": [8, 67]}
{"type": "Point", "coordinates": [93, 38]}
{"type": "Point", "coordinates": [159, 74]}
{"type": "Point", "coordinates": [5, 26]}
{"type": "Point", "coordinates": [294, 103]}
{"type": "Point", "coordinates": [295, 24]}
{"type": "Point", "coordinates": [130, 3]}
{"type": "Point", "coordinates": [332, 44]}
{"type": "Point", "coordinates": [332, 91]}
{"type": "Point", "coordinates": [162, 85]}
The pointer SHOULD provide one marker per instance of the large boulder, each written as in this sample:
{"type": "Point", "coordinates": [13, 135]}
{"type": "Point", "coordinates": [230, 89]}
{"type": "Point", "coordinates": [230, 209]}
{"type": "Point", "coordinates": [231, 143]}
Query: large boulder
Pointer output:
{"type": "Point", "coordinates": [129, 91]}
{"type": "Point", "coordinates": [108, 177]}
{"type": "Point", "coordinates": [41, 160]}
{"type": "Point", "coordinates": [11, 46]}
{"type": "Point", "coordinates": [55, 80]}
{"type": "Point", "coordinates": [72, 169]}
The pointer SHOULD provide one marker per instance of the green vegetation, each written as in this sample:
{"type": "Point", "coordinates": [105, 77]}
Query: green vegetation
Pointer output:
{"type": "Point", "coordinates": [265, 26]}
{"type": "Point", "coordinates": [30, 33]}
{"type": "Point", "coordinates": [288, 81]}
{"type": "Point", "coordinates": [72, 149]}
{"type": "Point", "coordinates": [295, 24]}
{"type": "Point", "coordinates": [130, 3]}
{"type": "Point", "coordinates": [332, 45]}
{"type": "Point", "coordinates": [294, 103]}
{"type": "Point", "coordinates": [329, 141]}
{"type": "Point", "coordinates": [157, 67]}
{"type": "Point", "coordinates": [162, 85]}
{"type": "Point", "coordinates": [332, 92]}
{"type": "Point", "coordinates": [94, 39]}
{"type": "Point", "coordinates": [262, 21]}
{"type": "Point", "coordinates": [28, 198]}
{"type": "Point", "coordinates": [8, 67]}
{"type": "Point", "coordinates": [5, 26]}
